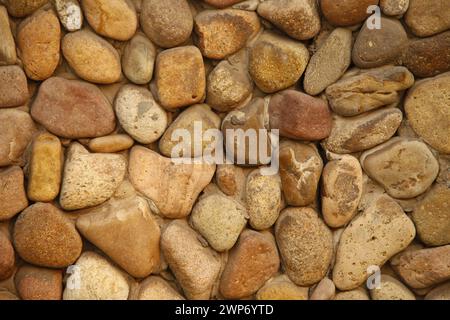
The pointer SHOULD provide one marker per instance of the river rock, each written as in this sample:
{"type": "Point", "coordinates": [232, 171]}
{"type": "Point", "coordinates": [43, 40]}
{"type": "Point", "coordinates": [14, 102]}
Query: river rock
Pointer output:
{"type": "Point", "coordinates": [391, 289]}
{"type": "Point", "coordinates": [7, 257]}
{"type": "Point", "coordinates": [346, 12]}
{"type": "Point", "coordinates": [45, 237]}
{"type": "Point", "coordinates": [441, 292]}
{"type": "Point", "coordinates": [282, 288]}
{"type": "Point", "coordinates": [35, 283]}
{"type": "Point", "coordinates": [404, 167]}
{"type": "Point", "coordinates": [222, 3]}
{"type": "Point", "coordinates": [12, 194]}
{"type": "Point", "coordinates": [22, 8]}
{"type": "Point", "coordinates": [13, 87]}
{"type": "Point", "coordinates": [394, 7]}
{"type": "Point", "coordinates": [7, 46]}
{"type": "Point", "coordinates": [156, 288]}
{"type": "Point", "coordinates": [356, 294]}
{"type": "Point", "coordinates": [325, 290]}
{"type": "Point", "coordinates": [426, 18]}
{"type": "Point", "coordinates": [371, 239]}
{"type": "Point", "coordinates": [69, 13]}
{"type": "Point", "coordinates": [111, 144]}
{"type": "Point", "coordinates": [305, 245]}
{"type": "Point", "coordinates": [138, 59]}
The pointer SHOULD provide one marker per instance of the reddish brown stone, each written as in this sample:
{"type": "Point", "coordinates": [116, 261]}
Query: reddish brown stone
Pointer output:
{"type": "Point", "coordinates": [7, 260]}
{"type": "Point", "coordinates": [300, 116]}
{"type": "Point", "coordinates": [222, 3]}
{"type": "Point", "coordinates": [12, 193]}
{"type": "Point", "coordinates": [252, 262]}
{"type": "Point", "coordinates": [346, 12]}
{"type": "Point", "coordinates": [13, 87]}
{"type": "Point", "coordinates": [73, 109]}
{"type": "Point", "coordinates": [33, 283]}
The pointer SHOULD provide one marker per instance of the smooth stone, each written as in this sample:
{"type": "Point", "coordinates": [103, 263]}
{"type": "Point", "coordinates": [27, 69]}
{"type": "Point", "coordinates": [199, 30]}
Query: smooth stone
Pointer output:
{"type": "Point", "coordinates": [139, 114]}
{"type": "Point", "coordinates": [45, 166]}
{"type": "Point", "coordinates": [378, 47]}
{"type": "Point", "coordinates": [330, 61]}
{"type": "Point", "coordinates": [362, 132]}
{"type": "Point", "coordinates": [342, 188]}
{"type": "Point", "coordinates": [138, 59]}
{"type": "Point", "coordinates": [90, 270]}
{"type": "Point", "coordinates": [222, 3]}
{"type": "Point", "coordinates": [195, 266]}
{"type": "Point", "coordinates": [254, 117]}
{"type": "Point", "coordinates": [426, 18]}
{"type": "Point", "coordinates": [405, 167]}
{"type": "Point", "coordinates": [73, 109]}
{"type": "Point", "coordinates": [263, 197]}
{"type": "Point", "coordinates": [39, 61]}
{"type": "Point", "coordinates": [159, 178]}
{"type": "Point", "coordinates": [8, 54]}
{"type": "Point", "coordinates": [300, 171]}
{"type": "Point", "coordinates": [197, 120]}
{"type": "Point", "coordinates": [325, 290]}
{"type": "Point", "coordinates": [45, 237]}
{"type": "Point", "coordinates": [13, 87]}
{"type": "Point", "coordinates": [305, 245]}
{"type": "Point", "coordinates": [428, 57]}
{"type": "Point", "coordinates": [432, 216]}
{"type": "Point", "coordinates": [34, 283]}
{"type": "Point", "coordinates": [219, 219]}
{"type": "Point", "coordinates": [356, 294]}
{"type": "Point", "coordinates": [394, 7]}
{"type": "Point", "coordinates": [298, 18]}
{"type": "Point", "coordinates": [13, 198]}
{"type": "Point", "coordinates": [346, 13]}
{"type": "Point", "coordinates": [91, 57]}
{"type": "Point", "coordinates": [282, 288]}
{"type": "Point", "coordinates": [441, 292]}
{"type": "Point", "coordinates": [127, 232]}
{"type": "Point", "coordinates": [361, 91]}
{"type": "Point", "coordinates": [300, 116]}
{"type": "Point", "coordinates": [224, 32]}
{"type": "Point", "coordinates": [180, 77]}
{"type": "Point", "coordinates": [371, 239]}
{"type": "Point", "coordinates": [111, 144]}
{"type": "Point", "coordinates": [6, 295]}
{"type": "Point", "coordinates": [276, 62]}
{"type": "Point", "coordinates": [232, 180]}
{"type": "Point", "coordinates": [391, 289]}
{"type": "Point", "coordinates": [424, 267]}
{"type": "Point", "coordinates": [156, 288]}
{"type": "Point", "coordinates": [16, 133]}
{"type": "Point", "coordinates": [90, 179]}
{"type": "Point", "coordinates": [7, 257]}
{"type": "Point", "coordinates": [22, 8]}
{"type": "Point", "coordinates": [164, 25]}
{"type": "Point", "coordinates": [69, 13]}
{"type": "Point", "coordinates": [427, 108]}
{"type": "Point", "coordinates": [252, 262]}
{"type": "Point", "coordinates": [228, 86]}
{"type": "Point", "coordinates": [115, 19]}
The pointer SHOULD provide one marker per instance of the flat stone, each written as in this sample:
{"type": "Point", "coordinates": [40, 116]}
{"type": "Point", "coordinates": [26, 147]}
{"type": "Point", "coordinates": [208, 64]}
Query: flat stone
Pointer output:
{"type": "Point", "coordinates": [156, 288]}
{"type": "Point", "coordinates": [127, 232]}
{"type": "Point", "coordinates": [346, 13]}
{"type": "Point", "coordinates": [40, 61]}
{"type": "Point", "coordinates": [405, 167]}
{"type": "Point", "coordinates": [159, 179]}
{"type": "Point", "coordinates": [115, 19]}
{"type": "Point", "coordinates": [330, 61]}
{"type": "Point", "coordinates": [45, 166]}
{"type": "Point", "coordinates": [111, 144]}
{"type": "Point", "coordinates": [427, 108]}
{"type": "Point", "coordinates": [391, 289]}
{"type": "Point", "coordinates": [300, 116]}
{"type": "Point", "coordinates": [7, 257]}
{"type": "Point", "coordinates": [73, 109]}
{"type": "Point", "coordinates": [342, 188]}
{"type": "Point", "coordinates": [305, 245]}
{"type": "Point", "coordinates": [138, 59]}
{"type": "Point", "coordinates": [300, 171]}
{"type": "Point", "coordinates": [139, 114]}
{"type": "Point", "coordinates": [180, 77]}
{"type": "Point", "coordinates": [250, 264]}
{"type": "Point", "coordinates": [13, 87]}
{"type": "Point", "coordinates": [165, 26]}
{"type": "Point", "coordinates": [282, 288]}
{"type": "Point", "coordinates": [8, 54]}
{"type": "Point", "coordinates": [298, 18]}
{"type": "Point", "coordinates": [34, 283]}
{"type": "Point", "coordinates": [365, 90]}
{"type": "Point", "coordinates": [90, 179]}
{"type": "Point", "coordinates": [224, 32]}
{"type": "Point", "coordinates": [371, 239]}
{"type": "Point", "coordinates": [69, 13]}
{"type": "Point", "coordinates": [426, 18]}
{"type": "Point", "coordinates": [277, 62]}
{"type": "Point", "coordinates": [219, 219]}
{"type": "Point", "coordinates": [16, 133]}
{"type": "Point", "coordinates": [45, 237]}
{"type": "Point", "coordinates": [424, 267]}
{"type": "Point", "coordinates": [12, 194]}
{"type": "Point", "coordinates": [91, 57]}
{"type": "Point", "coordinates": [186, 255]}
{"type": "Point", "coordinates": [85, 276]}
{"type": "Point", "coordinates": [362, 132]}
